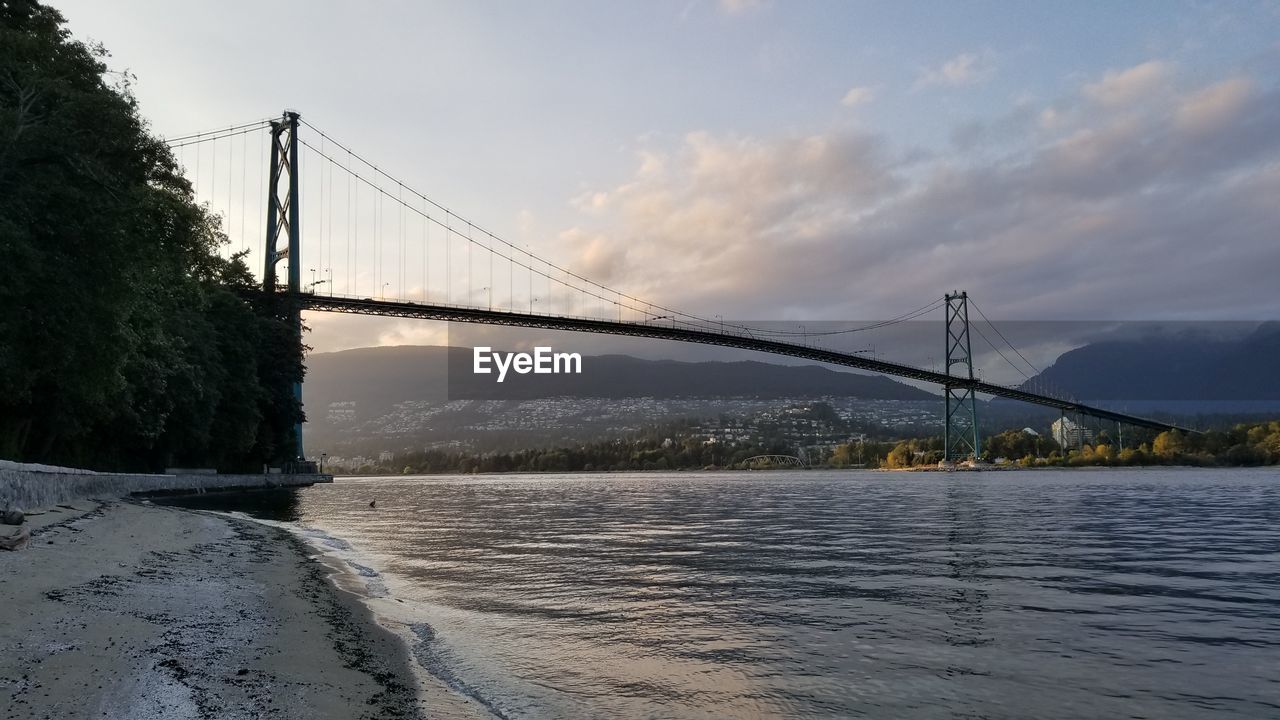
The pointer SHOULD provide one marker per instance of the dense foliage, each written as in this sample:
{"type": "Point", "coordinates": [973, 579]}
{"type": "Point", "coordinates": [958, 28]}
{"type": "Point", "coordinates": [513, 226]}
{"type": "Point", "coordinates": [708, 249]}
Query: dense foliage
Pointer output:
{"type": "Point", "coordinates": [645, 452]}
{"type": "Point", "coordinates": [124, 342]}
{"type": "Point", "coordinates": [1245, 444]}
{"type": "Point", "coordinates": [1242, 445]}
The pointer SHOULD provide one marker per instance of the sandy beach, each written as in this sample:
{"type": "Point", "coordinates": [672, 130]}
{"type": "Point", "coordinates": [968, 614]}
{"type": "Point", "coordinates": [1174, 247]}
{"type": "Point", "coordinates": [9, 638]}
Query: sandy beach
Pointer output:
{"type": "Point", "coordinates": [124, 609]}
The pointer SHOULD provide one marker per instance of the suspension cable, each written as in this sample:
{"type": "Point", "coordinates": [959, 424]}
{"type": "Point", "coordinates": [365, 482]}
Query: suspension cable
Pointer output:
{"type": "Point", "coordinates": [188, 136]}
{"type": "Point", "coordinates": [1002, 337]}
{"type": "Point", "coordinates": [491, 235]}
{"type": "Point", "coordinates": [696, 320]}
{"type": "Point", "coordinates": [173, 144]}
{"type": "Point", "coordinates": [998, 352]}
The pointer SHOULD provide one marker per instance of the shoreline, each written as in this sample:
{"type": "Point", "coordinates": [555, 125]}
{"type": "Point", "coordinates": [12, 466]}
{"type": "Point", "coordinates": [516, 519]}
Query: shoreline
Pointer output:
{"type": "Point", "coordinates": [370, 586]}
{"type": "Point", "coordinates": [122, 608]}
{"type": "Point", "coordinates": [915, 468]}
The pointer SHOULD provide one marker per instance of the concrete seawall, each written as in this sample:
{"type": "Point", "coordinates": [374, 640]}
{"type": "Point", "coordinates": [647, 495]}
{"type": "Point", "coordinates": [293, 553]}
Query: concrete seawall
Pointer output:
{"type": "Point", "coordinates": [33, 486]}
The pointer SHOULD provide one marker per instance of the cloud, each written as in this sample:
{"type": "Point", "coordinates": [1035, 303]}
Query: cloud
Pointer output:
{"type": "Point", "coordinates": [858, 96]}
{"type": "Point", "coordinates": [1127, 87]}
{"type": "Point", "coordinates": [964, 69]}
{"type": "Point", "coordinates": [738, 7]}
{"type": "Point", "coordinates": [330, 332]}
{"type": "Point", "coordinates": [1152, 211]}
{"type": "Point", "coordinates": [594, 256]}
{"type": "Point", "coordinates": [590, 201]}
{"type": "Point", "coordinates": [1208, 111]}
{"type": "Point", "coordinates": [1059, 208]}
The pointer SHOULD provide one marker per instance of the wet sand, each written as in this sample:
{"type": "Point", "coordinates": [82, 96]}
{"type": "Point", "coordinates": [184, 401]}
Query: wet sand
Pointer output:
{"type": "Point", "coordinates": [130, 610]}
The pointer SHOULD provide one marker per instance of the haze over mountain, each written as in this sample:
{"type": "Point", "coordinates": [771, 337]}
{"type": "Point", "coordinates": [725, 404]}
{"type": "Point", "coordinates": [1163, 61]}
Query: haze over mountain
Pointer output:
{"type": "Point", "coordinates": [394, 398]}
{"type": "Point", "coordinates": [1175, 369]}
{"type": "Point", "coordinates": [378, 378]}
{"type": "Point", "coordinates": [421, 394]}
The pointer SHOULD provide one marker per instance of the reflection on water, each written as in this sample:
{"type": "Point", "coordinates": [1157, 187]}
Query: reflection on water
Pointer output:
{"type": "Point", "coordinates": [1152, 593]}
{"type": "Point", "coordinates": [277, 504]}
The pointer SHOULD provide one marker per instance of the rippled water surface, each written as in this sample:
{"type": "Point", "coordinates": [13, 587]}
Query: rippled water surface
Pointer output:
{"type": "Point", "coordinates": [1146, 593]}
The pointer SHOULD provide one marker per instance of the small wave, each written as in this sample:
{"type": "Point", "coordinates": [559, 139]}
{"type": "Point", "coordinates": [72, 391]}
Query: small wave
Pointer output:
{"type": "Point", "coordinates": [429, 658]}
{"type": "Point", "coordinates": [424, 650]}
{"type": "Point", "coordinates": [375, 584]}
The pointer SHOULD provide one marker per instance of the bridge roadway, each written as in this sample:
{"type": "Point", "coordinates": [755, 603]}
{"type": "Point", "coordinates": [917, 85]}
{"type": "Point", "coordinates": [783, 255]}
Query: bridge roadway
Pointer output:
{"type": "Point", "coordinates": [671, 331]}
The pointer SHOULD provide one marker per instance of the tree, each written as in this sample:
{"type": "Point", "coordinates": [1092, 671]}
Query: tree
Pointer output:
{"type": "Point", "coordinates": [1011, 444]}
{"type": "Point", "coordinates": [124, 341]}
{"type": "Point", "coordinates": [1168, 444]}
{"type": "Point", "coordinates": [899, 456]}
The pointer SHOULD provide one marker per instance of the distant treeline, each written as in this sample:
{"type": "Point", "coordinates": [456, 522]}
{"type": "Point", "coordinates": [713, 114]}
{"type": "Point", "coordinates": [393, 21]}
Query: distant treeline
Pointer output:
{"type": "Point", "coordinates": [124, 342]}
{"type": "Point", "coordinates": [1243, 445]}
{"type": "Point", "coordinates": [637, 453]}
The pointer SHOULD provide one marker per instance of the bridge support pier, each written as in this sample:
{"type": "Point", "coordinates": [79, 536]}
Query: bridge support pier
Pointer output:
{"type": "Point", "coordinates": [282, 214]}
{"type": "Point", "coordinates": [960, 423]}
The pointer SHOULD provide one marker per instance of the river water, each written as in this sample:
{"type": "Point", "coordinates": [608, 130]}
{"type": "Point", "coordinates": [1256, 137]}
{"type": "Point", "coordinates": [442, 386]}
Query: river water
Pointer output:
{"type": "Point", "coordinates": [1150, 593]}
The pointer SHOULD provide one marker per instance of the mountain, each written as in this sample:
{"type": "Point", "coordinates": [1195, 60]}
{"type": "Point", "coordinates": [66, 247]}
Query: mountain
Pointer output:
{"type": "Point", "coordinates": [374, 399]}
{"type": "Point", "coordinates": [378, 378]}
{"type": "Point", "coordinates": [1184, 369]}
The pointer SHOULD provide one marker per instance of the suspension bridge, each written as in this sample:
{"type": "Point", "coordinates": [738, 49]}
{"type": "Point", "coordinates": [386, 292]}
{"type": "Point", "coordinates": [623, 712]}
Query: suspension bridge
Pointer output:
{"type": "Point", "coordinates": [368, 233]}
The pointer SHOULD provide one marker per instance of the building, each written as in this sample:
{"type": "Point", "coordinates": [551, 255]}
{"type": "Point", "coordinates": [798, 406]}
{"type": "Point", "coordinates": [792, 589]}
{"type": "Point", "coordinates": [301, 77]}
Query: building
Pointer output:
{"type": "Point", "coordinates": [1070, 435]}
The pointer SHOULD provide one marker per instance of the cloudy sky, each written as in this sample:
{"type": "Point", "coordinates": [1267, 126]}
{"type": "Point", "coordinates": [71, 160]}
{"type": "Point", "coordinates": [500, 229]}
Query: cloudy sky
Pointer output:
{"type": "Point", "coordinates": [777, 160]}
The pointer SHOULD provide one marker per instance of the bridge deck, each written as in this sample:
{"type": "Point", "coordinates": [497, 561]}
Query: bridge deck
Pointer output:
{"type": "Point", "coordinates": [677, 332]}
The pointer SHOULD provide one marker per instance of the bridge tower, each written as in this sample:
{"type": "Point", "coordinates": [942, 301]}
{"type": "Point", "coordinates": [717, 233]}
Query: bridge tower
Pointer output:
{"type": "Point", "coordinates": [283, 219]}
{"type": "Point", "coordinates": [960, 429]}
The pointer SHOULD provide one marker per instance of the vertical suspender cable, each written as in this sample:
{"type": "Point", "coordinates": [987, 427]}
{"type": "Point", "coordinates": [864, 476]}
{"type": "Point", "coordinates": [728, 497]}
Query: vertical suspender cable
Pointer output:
{"type": "Point", "coordinates": [213, 179]}
{"type": "Point", "coordinates": [400, 199]}
{"type": "Point", "coordinates": [231, 159]}
{"type": "Point", "coordinates": [329, 267]}
{"type": "Point", "coordinates": [352, 273]}
{"type": "Point", "coordinates": [321, 213]}
{"type": "Point", "coordinates": [448, 258]}
{"type": "Point", "coordinates": [262, 171]}
{"type": "Point", "coordinates": [244, 177]}
{"type": "Point", "coordinates": [346, 287]}
{"type": "Point", "coordinates": [426, 253]}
